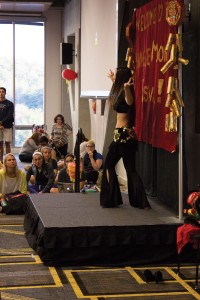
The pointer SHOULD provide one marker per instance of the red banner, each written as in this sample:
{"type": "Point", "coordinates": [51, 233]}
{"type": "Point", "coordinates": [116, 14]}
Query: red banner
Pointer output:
{"type": "Point", "coordinates": [151, 32]}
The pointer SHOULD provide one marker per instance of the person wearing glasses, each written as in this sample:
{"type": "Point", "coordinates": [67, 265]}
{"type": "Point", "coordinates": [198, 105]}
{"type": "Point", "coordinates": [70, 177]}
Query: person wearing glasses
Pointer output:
{"type": "Point", "coordinates": [124, 145]}
{"type": "Point", "coordinates": [92, 162]}
{"type": "Point", "coordinates": [43, 174]}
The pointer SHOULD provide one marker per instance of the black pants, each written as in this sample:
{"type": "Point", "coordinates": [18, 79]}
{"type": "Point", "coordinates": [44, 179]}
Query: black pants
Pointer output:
{"type": "Point", "coordinates": [110, 195]}
{"type": "Point", "coordinates": [61, 152]}
{"type": "Point", "coordinates": [26, 157]}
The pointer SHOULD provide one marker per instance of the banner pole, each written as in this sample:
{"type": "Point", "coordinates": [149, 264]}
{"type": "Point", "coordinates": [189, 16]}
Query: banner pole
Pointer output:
{"type": "Point", "coordinates": [180, 139]}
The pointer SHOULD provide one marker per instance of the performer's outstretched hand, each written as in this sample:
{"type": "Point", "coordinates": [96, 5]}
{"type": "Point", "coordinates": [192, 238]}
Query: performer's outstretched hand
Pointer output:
{"type": "Point", "coordinates": [111, 75]}
{"type": "Point", "coordinates": [129, 83]}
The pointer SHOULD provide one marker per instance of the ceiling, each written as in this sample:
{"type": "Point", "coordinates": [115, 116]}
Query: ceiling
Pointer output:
{"type": "Point", "coordinates": [28, 6]}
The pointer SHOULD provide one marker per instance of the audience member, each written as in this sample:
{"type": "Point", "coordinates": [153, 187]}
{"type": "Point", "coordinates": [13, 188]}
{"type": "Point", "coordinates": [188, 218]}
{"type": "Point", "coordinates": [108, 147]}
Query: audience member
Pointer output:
{"type": "Point", "coordinates": [64, 176]}
{"type": "Point", "coordinates": [29, 146]}
{"type": "Point", "coordinates": [59, 136]}
{"type": "Point", "coordinates": [44, 141]}
{"type": "Point", "coordinates": [83, 145]}
{"type": "Point", "coordinates": [12, 179]}
{"type": "Point", "coordinates": [92, 162]}
{"type": "Point", "coordinates": [6, 122]}
{"type": "Point", "coordinates": [43, 175]}
{"type": "Point", "coordinates": [46, 153]}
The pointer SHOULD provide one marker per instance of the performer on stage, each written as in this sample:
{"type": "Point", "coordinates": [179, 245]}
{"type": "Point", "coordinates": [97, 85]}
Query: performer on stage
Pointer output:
{"type": "Point", "coordinates": [124, 145]}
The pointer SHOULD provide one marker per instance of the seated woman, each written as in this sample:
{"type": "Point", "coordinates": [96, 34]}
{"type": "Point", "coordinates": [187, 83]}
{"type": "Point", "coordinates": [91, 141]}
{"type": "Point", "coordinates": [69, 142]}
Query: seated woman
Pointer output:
{"type": "Point", "coordinates": [92, 162]}
{"type": "Point", "coordinates": [29, 146]}
{"type": "Point", "coordinates": [12, 179]}
{"type": "Point", "coordinates": [46, 153]}
{"type": "Point", "coordinates": [64, 176]}
{"type": "Point", "coordinates": [43, 175]}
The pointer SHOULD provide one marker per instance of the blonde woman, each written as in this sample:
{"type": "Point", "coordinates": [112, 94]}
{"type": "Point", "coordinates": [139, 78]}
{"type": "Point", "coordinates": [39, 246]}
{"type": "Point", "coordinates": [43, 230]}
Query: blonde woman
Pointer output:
{"type": "Point", "coordinates": [12, 179]}
{"type": "Point", "coordinates": [46, 153]}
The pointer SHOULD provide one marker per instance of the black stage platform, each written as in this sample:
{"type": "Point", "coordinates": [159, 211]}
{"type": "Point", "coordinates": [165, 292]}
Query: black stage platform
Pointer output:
{"type": "Point", "coordinates": [72, 229]}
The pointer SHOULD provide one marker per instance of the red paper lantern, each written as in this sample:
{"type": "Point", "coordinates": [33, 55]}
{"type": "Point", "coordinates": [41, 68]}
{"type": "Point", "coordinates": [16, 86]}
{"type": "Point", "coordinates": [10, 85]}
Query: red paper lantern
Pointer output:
{"type": "Point", "coordinates": [69, 74]}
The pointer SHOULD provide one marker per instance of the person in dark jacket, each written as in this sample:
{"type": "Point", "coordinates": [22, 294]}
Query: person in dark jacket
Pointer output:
{"type": "Point", "coordinates": [6, 122]}
{"type": "Point", "coordinates": [43, 175]}
{"type": "Point", "coordinates": [92, 162]}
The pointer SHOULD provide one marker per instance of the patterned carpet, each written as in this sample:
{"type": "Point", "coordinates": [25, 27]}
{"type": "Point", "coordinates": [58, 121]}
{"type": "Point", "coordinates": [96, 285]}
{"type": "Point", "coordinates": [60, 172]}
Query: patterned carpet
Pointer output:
{"type": "Point", "coordinates": [24, 277]}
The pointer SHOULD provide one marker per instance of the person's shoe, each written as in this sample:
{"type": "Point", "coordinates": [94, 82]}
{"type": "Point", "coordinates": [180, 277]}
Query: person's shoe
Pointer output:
{"type": "Point", "coordinates": [149, 276]}
{"type": "Point", "coordinates": [158, 276]}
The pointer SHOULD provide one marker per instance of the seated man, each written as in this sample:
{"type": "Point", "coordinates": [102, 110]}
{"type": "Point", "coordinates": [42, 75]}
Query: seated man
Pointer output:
{"type": "Point", "coordinates": [92, 162]}
{"type": "Point", "coordinates": [43, 175]}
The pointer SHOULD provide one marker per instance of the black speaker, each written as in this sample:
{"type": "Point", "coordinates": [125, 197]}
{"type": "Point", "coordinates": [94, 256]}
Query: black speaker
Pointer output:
{"type": "Point", "coordinates": [66, 54]}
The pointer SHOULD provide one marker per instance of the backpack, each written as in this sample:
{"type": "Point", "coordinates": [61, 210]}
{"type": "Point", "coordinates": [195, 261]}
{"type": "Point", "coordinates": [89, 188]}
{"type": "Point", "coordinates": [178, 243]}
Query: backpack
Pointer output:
{"type": "Point", "coordinates": [14, 203]}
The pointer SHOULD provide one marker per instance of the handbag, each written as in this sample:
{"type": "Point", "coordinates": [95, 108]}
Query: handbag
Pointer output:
{"type": "Point", "coordinates": [58, 144]}
{"type": "Point", "coordinates": [14, 203]}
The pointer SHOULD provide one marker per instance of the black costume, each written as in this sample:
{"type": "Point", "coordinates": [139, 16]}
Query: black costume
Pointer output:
{"type": "Point", "coordinates": [124, 146]}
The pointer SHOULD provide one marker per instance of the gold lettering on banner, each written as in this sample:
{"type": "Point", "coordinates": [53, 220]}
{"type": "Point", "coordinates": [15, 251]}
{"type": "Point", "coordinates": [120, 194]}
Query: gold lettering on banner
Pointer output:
{"type": "Point", "coordinates": [159, 51]}
{"type": "Point", "coordinates": [156, 53]}
{"type": "Point", "coordinates": [149, 18]}
{"type": "Point", "coordinates": [147, 93]}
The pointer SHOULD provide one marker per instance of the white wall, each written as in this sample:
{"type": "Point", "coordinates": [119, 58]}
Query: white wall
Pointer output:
{"type": "Point", "coordinates": [53, 38]}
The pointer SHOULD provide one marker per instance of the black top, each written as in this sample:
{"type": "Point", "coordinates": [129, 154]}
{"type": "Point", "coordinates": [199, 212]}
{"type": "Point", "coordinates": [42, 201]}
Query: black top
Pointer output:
{"type": "Point", "coordinates": [121, 106]}
{"type": "Point", "coordinates": [6, 113]}
{"type": "Point", "coordinates": [45, 178]}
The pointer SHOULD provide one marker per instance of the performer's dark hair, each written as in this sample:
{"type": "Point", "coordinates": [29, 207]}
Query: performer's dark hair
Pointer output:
{"type": "Point", "coordinates": [123, 74]}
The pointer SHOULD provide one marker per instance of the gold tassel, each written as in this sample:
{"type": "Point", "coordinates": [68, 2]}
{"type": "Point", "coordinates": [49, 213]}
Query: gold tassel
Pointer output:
{"type": "Point", "coordinates": [176, 107]}
{"type": "Point", "coordinates": [178, 97]}
{"type": "Point", "coordinates": [173, 53]}
{"type": "Point", "coordinates": [183, 61]}
{"type": "Point", "coordinates": [168, 64]}
{"type": "Point", "coordinates": [170, 85]}
{"type": "Point", "coordinates": [167, 122]}
{"type": "Point", "coordinates": [168, 101]}
{"type": "Point", "coordinates": [169, 41]}
{"type": "Point", "coordinates": [179, 42]}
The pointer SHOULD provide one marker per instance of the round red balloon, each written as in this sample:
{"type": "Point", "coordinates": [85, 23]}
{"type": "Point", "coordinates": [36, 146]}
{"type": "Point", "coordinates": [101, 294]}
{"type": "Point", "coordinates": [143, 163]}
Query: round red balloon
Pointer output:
{"type": "Point", "coordinates": [69, 74]}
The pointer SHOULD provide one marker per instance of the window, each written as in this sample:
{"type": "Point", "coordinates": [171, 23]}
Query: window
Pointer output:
{"type": "Point", "coordinates": [22, 74]}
